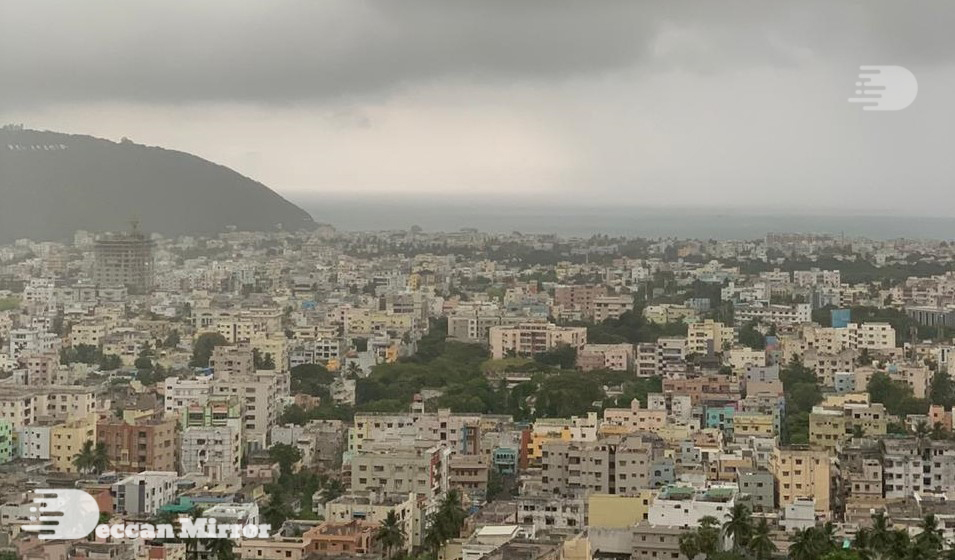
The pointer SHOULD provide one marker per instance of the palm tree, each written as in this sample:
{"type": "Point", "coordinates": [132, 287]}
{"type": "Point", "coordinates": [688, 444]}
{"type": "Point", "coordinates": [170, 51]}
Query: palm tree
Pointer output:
{"type": "Point", "coordinates": [760, 544]}
{"type": "Point", "coordinates": [433, 537]}
{"type": "Point", "coordinates": [708, 536]}
{"type": "Point", "coordinates": [827, 537]}
{"type": "Point", "coordinates": [353, 371]}
{"type": "Point", "coordinates": [858, 431]}
{"type": "Point", "coordinates": [390, 534]}
{"type": "Point", "coordinates": [101, 460]}
{"type": "Point", "coordinates": [900, 545]}
{"type": "Point", "coordinates": [192, 543]}
{"type": "Point", "coordinates": [739, 526]}
{"type": "Point", "coordinates": [689, 547]}
{"type": "Point", "coordinates": [922, 429]}
{"type": "Point", "coordinates": [452, 513]}
{"type": "Point", "coordinates": [445, 523]}
{"type": "Point", "coordinates": [805, 544]}
{"type": "Point", "coordinates": [84, 460]}
{"type": "Point", "coordinates": [220, 549]}
{"type": "Point", "coordinates": [880, 537]}
{"type": "Point", "coordinates": [930, 539]}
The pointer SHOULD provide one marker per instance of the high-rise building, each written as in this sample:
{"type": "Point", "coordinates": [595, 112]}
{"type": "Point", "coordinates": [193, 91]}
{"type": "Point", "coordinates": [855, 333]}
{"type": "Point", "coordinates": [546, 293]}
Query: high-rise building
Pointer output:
{"type": "Point", "coordinates": [124, 259]}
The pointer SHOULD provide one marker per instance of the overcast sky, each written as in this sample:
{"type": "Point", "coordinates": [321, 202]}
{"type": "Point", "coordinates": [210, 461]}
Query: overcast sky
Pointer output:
{"type": "Point", "coordinates": [593, 102]}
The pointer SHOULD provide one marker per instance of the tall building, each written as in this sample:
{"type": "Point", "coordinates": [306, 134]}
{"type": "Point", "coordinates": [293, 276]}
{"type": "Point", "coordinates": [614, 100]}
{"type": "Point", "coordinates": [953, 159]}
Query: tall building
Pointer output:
{"type": "Point", "coordinates": [149, 444]}
{"type": "Point", "coordinates": [124, 259]}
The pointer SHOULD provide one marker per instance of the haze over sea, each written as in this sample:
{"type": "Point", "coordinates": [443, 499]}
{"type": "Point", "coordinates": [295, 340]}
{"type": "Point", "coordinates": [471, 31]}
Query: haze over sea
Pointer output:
{"type": "Point", "coordinates": [386, 213]}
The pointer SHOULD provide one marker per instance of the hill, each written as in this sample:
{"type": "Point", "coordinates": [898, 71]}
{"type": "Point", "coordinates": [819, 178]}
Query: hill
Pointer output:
{"type": "Point", "coordinates": [52, 184]}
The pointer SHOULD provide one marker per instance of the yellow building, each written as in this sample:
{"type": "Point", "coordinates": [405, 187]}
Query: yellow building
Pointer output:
{"type": "Point", "coordinates": [801, 472]}
{"type": "Point", "coordinates": [612, 511]}
{"type": "Point", "coordinates": [827, 427]}
{"type": "Point", "coordinates": [746, 424]}
{"type": "Point", "coordinates": [546, 430]}
{"type": "Point", "coordinates": [67, 439]}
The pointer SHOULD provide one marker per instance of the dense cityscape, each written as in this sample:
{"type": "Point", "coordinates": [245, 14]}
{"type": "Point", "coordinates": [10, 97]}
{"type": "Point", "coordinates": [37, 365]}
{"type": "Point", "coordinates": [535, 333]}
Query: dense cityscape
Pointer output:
{"type": "Point", "coordinates": [466, 395]}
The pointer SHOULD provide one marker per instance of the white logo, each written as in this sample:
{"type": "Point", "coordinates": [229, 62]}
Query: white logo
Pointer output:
{"type": "Point", "coordinates": [74, 514]}
{"type": "Point", "coordinates": [885, 88]}
{"type": "Point", "coordinates": [63, 514]}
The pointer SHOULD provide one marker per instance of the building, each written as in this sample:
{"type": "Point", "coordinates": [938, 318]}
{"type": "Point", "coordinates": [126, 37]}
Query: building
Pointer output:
{"type": "Point", "coordinates": [124, 259]}
{"type": "Point", "coordinates": [615, 357]}
{"type": "Point", "coordinates": [709, 337]}
{"type": "Point", "coordinates": [67, 440]}
{"type": "Point", "coordinates": [350, 538]}
{"type": "Point", "coordinates": [758, 487]}
{"type": "Point", "coordinates": [611, 307]}
{"type": "Point", "coordinates": [180, 393]}
{"type": "Point", "coordinates": [579, 297]}
{"type": "Point", "coordinates": [146, 444]}
{"type": "Point", "coordinates": [259, 392]}
{"type": "Point", "coordinates": [528, 339]}
{"type": "Point", "coordinates": [417, 468]}
{"type": "Point", "coordinates": [801, 472]}
{"type": "Point", "coordinates": [612, 465]}
{"type": "Point", "coordinates": [683, 506]}
{"type": "Point", "coordinates": [144, 493]}
{"type": "Point", "coordinates": [612, 511]}
{"type": "Point", "coordinates": [374, 507]}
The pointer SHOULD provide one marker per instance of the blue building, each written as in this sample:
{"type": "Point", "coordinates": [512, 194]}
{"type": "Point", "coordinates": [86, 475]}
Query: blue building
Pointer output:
{"type": "Point", "coordinates": [504, 460]}
{"type": "Point", "coordinates": [720, 417]}
{"type": "Point", "coordinates": [841, 318]}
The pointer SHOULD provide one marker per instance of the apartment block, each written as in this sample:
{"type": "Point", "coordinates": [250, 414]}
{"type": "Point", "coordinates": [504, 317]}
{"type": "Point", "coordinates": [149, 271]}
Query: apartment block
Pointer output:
{"type": "Point", "coordinates": [615, 357]}
{"type": "Point", "coordinates": [147, 444]}
{"type": "Point", "coordinates": [801, 472]}
{"type": "Point", "coordinates": [611, 307]}
{"type": "Point", "coordinates": [401, 468]}
{"type": "Point", "coordinates": [144, 493]}
{"type": "Point", "coordinates": [528, 339]}
{"type": "Point", "coordinates": [709, 337]}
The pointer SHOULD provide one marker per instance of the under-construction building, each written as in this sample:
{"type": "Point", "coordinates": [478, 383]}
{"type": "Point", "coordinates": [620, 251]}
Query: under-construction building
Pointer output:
{"type": "Point", "coordinates": [124, 259]}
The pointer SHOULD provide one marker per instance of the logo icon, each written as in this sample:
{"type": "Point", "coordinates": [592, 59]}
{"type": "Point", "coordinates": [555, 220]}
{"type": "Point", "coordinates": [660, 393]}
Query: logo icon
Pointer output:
{"type": "Point", "coordinates": [63, 514]}
{"type": "Point", "coordinates": [885, 88]}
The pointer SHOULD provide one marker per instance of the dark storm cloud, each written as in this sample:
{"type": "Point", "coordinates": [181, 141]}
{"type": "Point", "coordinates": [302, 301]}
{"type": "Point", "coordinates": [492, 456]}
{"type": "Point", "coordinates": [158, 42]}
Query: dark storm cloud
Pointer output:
{"type": "Point", "coordinates": [291, 51]}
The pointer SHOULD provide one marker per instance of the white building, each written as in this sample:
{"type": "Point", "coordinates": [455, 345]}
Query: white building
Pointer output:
{"type": "Point", "coordinates": [144, 493]}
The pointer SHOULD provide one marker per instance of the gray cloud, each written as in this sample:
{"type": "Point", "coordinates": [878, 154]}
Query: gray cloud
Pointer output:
{"type": "Point", "coordinates": [299, 51]}
{"type": "Point", "coordinates": [707, 102]}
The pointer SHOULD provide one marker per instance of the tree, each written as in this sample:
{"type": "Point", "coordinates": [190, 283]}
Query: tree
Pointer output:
{"type": "Point", "coordinates": [220, 549]}
{"type": "Point", "coordinates": [445, 523]}
{"type": "Point", "coordinates": [260, 361]}
{"type": "Point", "coordinates": [708, 536]}
{"type": "Point", "coordinates": [804, 545]}
{"type": "Point", "coordinates": [310, 379]}
{"type": "Point", "coordinates": [689, 545]}
{"type": "Point", "coordinates": [172, 340]}
{"type": "Point", "coordinates": [202, 349]}
{"type": "Point", "coordinates": [101, 460]}
{"type": "Point", "coordinates": [278, 509]}
{"type": "Point", "coordinates": [83, 461]}
{"type": "Point", "coordinates": [110, 362]}
{"type": "Point", "coordinates": [879, 534]}
{"type": "Point", "coordinates": [286, 456]}
{"type": "Point", "coordinates": [390, 534]}
{"type": "Point", "coordinates": [563, 356]}
{"type": "Point", "coordinates": [739, 526]}
{"type": "Point", "coordinates": [761, 545]}
{"type": "Point", "coordinates": [750, 336]}
{"type": "Point", "coordinates": [929, 542]}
